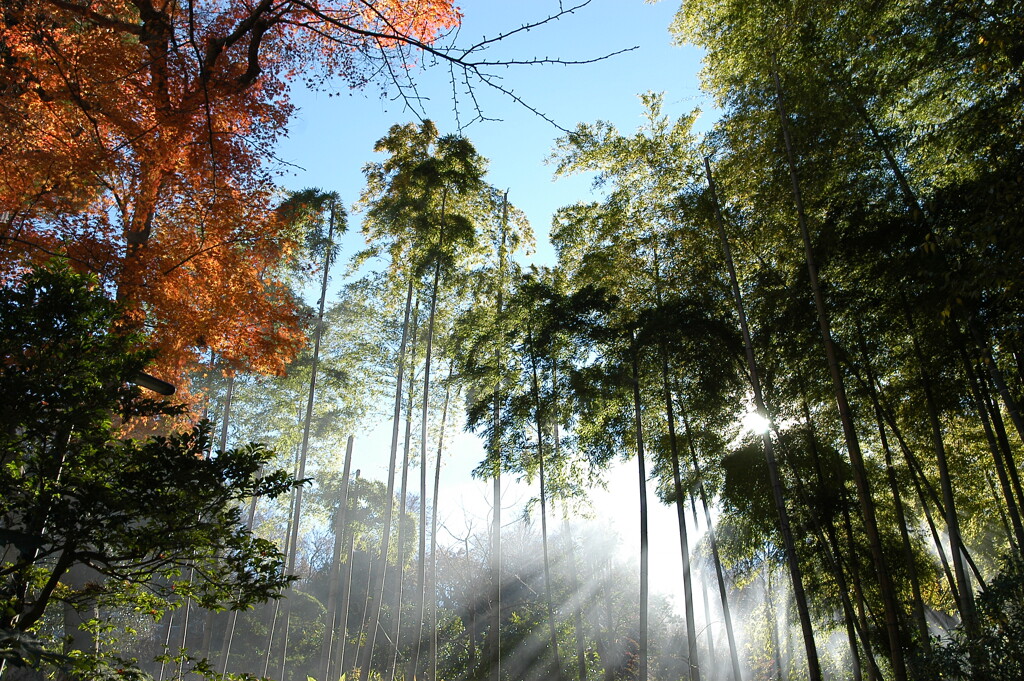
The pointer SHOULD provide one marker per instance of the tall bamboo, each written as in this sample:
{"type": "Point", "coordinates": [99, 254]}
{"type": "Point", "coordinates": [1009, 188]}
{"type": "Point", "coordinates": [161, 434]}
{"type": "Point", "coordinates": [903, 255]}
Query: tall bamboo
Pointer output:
{"type": "Point", "coordinates": [377, 589]}
{"type": "Point", "coordinates": [539, 422]}
{"type": "Point", "coordinates": [795, 574]}
{"type": "Point", "coordinates": [334, 580]}
{"type": "Point", "coordinates": [644, 547]}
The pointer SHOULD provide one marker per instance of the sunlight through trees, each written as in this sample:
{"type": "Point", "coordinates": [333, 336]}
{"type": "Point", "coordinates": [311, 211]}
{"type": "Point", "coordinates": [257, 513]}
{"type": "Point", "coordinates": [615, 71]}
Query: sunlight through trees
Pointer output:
{"type": "Point", "coordinates": [778, 360]}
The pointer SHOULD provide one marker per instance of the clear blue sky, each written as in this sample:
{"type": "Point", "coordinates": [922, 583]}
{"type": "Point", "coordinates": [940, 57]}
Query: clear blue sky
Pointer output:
{"type": "Point", "coordinates": [333, 136]}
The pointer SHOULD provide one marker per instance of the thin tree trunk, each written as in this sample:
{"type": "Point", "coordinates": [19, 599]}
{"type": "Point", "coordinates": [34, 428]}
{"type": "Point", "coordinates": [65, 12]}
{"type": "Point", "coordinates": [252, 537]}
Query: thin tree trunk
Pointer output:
{"type": "Point", "coordinates": [580, 634]}
{"type": "Point", "coordinates": [543, 510]}
{"type": "Point", "coordinates": [403, 494]}
{"type": "Point", "coordinates": [364, 620]}
{"type": "Point", "coordinates": [966, 602]}
{"type": "Point", "coordinates": [773, 623]}
{"type": "Point", "coordinates": [894, 489]}
{"type": "Point", "coordinates": [711, 661]}
{"type": "Point", "coordinates": [432, 670]}
{"type": "Point", "coordinates": [995, 446]}
{"type": "Point", "coordinates": [307, 425]}
{"type": "Point", "coordinates": [828, 538]}
{"type": "Point", "coordinates": [378, 588]}
{"type": "Point", "coordinates": [229, 633]}
{"type": "Point", "coordinates": [1003, 518]}
{"type": "Point", "coordinates": [644, 550]}
{"type": "Point", "coordinates": [996, 374]}
{"type": "Point", "coordinates": [422, 567]}
{"type": "Point", "coordinates": [936, 538]}
{"type": "Point", "coordinates": [829, 541]}
{"type": "Point", "coordinates": [723, 591]}
{"type": "Point", "coordinates": [272, 626]}
{"type": "Point", "coordinates": [796, 576]}
{"type": "Point", "coordinates": [917, 477]}
{"type": "Point", "coordinates": [915, 585]}
{"type": "Point", "coordinates": [493, 641]}
{"type": "Point", "coordinates": [494, 635]}
{"type": "Point", "coordinates": [863, 609]}
{"type": "Point", "coordinates": [610, 634]}
{"type": "Point", "coordinates": [334, 580]}
{"type": "Point", "coordinates": [270, 636]}
{"type": "Point", "coordinates": [1004, 442]}
{"type": "Point", "coordinates": [693, 656]}
{"type": "Point", "coordinates": [891, 610]}
{"type": "Point", "coordinates": [581, 659]}
{"type": "Point", "coordinates": [693, 660]}
{"type": "Point", "coordinates": [211, 616]}
{"type": "Point", "coordinates": [472, 617]}
{"type": "Point", "coordinates": [920, 477]}
{"type": "Point", "coordinates": [341, 624]}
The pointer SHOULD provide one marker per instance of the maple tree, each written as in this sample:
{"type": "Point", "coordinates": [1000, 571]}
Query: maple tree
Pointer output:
{"type": "Point", "coordinates": [135, 135]}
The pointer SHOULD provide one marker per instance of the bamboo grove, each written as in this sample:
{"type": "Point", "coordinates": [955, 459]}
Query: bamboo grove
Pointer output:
{"type": "Point", "coordinates": [836, 259]}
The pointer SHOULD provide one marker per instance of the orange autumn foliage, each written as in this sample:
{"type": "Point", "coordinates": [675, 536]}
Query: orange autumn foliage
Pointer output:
{"type": "Point", "coordinates": [135, 137]}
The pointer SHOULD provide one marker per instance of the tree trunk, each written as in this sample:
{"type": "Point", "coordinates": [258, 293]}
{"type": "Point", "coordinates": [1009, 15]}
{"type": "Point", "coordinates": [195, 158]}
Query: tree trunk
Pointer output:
{"type": "Point", "coordinates": [996, 375]}
{"type": "Point", "coordinates": [999, 446]}
{"type": "Point", "coordinates": [894, 489]}
{"type": "Point", "coordinates": [493, 640]}
{"type": "Point", "coordinates": [773, 623]}
{"type": "Point", "coordinates": [829, 541]}
{"type": "Point", "coordinates": [543, 511]}
{"type": "Point", "coordinates": [432, 670]}
{"type": "Point", "coordinates": [341, 630]}
{"type": "Point", "coordinates": [580, 634]}
{"type": "Point", "coordinates": [272, 625]}
{"type": "Point", "coordinates": [921, 479]}
{"type": "Point", "coordinates": [711, 661]}
{"type": "Point", "coordinates": [307, 425]}
{"type": "Point", "coordinates": [966, 601]}
{"type": "Point", "coordinates": [796, 576]}
{"type": "Point", "coordinates": [422, 566]}
{"type": "Point", "coordinates": [723, 591]}
{"type": "Point", "coordinates": [494, 635]}
{"type": "Point", "coordinates": [693, 656]}
{"type": "Point", "coordinates": [693, 660]}
{"type": "Point", "coordinates": [644, 551]}
{"type": "Point", "coordinates": [334, 580]}
{"type": "Point", "coordinates": [211, 618]}
{"type": "Point", "coordinates": [892, 621]}
{"type": "Point", "coordinates": [403, 495]}
{"type": "Point", "coordinates": [378, 588]}
{"type": "Point", "coordinates": [1004, 442]}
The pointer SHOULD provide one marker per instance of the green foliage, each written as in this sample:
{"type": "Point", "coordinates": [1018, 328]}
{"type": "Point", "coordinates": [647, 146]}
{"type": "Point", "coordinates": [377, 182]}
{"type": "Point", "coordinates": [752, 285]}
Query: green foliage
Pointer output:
{"type": "Point", "coordinates": [420, 199]}
{"type": "Point", "coordinates": [81, 497]}
{"type": "Point", "coordinates": [996, 651]}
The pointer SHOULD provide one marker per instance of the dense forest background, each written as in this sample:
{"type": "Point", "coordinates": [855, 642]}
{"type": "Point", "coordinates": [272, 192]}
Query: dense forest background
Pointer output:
{"type": "Point", "coordinates": [801, 328]}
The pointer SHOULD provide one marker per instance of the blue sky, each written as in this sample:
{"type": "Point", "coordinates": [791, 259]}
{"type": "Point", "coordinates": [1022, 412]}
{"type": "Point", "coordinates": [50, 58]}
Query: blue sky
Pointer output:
{"type": "Point", "coordinates": [333, 134]}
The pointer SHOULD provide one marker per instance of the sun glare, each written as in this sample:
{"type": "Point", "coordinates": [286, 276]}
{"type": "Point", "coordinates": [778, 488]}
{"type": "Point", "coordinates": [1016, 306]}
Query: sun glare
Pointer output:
{"type": "Point", "coordinates": [755, 423]}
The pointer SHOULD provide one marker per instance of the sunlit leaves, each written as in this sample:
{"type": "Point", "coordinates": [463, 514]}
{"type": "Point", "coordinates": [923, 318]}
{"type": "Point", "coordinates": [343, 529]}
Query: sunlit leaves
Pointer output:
{"type": "Point", "coordinates": [138, 138]}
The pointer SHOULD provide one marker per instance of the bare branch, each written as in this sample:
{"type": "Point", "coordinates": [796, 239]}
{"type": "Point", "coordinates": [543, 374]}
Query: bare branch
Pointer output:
{"type": "Point", "coordinates": [457, 58]}
{"type": "Point", "coordinates": [526, 28]}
